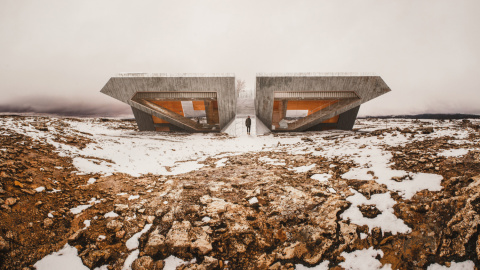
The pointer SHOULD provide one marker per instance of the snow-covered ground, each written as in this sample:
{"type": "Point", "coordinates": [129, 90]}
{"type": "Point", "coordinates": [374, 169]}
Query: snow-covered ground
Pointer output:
{"type": "Point", "coordinates": [112, 150]}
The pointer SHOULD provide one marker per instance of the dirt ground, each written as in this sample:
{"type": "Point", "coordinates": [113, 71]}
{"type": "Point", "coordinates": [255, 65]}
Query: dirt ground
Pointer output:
{"type": "Point", "coordinates": [294, 219]}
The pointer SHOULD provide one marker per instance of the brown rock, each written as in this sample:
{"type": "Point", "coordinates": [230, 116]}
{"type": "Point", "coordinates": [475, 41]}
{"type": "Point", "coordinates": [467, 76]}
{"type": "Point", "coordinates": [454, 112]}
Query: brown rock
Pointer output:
{"type": "Point", "coordinates": [3, 245]}
{"type": "Point", "coordinates": [120, 234]}
{"type": "Point", "coordinates": [10, 201]}
{"type": "Point", "coordinates": [155, 244]}
{"type": "Point", "coordinates": [47, 223]}
{"type": "Point", "coordinates": [178, 236]}
{"type": "Point", "coordinates": [18, 184]}
{"type": "Point", "coordinates": [143, 263]}
{"type": "Point", "coordinates": [114, 225]}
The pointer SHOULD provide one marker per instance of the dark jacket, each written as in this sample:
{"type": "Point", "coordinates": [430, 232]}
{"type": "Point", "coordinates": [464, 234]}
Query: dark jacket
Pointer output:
{"type": "Point", "coordinates": [248, 122]}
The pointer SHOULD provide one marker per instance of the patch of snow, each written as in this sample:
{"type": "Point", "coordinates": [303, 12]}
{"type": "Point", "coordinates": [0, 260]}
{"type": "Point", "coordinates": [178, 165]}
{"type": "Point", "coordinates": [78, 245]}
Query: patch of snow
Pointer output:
{"type": "Point", "coordinates": [363, 235]}
{"type": "Point", "coordinates": [221, 162]}
{"type": "Point", "coordinates": [91, 181]}
{"type": "Point", "coordinates": [110, 214]}
{"type": "Point", "coordinates": [133, 197]}
{"type": "Point", "coordinates": [172, 262]}
{"type": "Point", "coordinates": [50, 215]}
{"type": "Point", "coordinates": [466, 265]}
{"type": "Point", "coordinates": [386, 220]}
{"type": "Point", "coordinates": [331, 190]}
{"type": "Point", "coordinates": [253, 200]}
{"type": "Point", "coordinates": [86, 223]}
{"type": "Point", "coordinates": [364, 259]}
{"type": "Point", "coordinates": [453, 153]}
{"type": "Point", "coordinates": [103, 267]}
{"type": "Point", "coordinates": [40, 189]}
{"type": "Point", "coordinates": [302, 169]}
{"type": "Point", "coordinates": [122, 194]}
{"type": "Point", "coordinates": [322, 266]}
{"type": "Point", "coordinates": [66, 258]}
{"type": "Point", "coordinates": [206, 219]}
{"type": "Point", "coordinates": [322, 177]}
{"type": "Point", "coordinates": [133, 243]}
{"type": "Point", "coordinates": [272, 161]}
{"type": "Point", "coordinates": [79, 209]}
{"type": "Point", "coordinates": [101, 237]}
{"type": "Point", "coordinates": [127, 265]}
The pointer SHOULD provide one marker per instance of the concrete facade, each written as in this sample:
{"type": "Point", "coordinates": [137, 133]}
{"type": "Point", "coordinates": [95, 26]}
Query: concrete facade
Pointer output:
{"type": "Point", "coordinates": [140, 90]}
{"type": "Point", "coordinates": [346, 91]}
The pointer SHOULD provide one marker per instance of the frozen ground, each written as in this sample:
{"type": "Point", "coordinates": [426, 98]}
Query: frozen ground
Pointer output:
{"type": "Point", "coordinates": [367, 176]}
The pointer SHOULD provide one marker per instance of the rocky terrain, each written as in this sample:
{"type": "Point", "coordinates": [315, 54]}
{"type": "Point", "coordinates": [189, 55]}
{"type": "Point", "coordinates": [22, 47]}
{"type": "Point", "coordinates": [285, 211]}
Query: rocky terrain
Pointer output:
{"type": "Point", "coordinates": [392, 194]}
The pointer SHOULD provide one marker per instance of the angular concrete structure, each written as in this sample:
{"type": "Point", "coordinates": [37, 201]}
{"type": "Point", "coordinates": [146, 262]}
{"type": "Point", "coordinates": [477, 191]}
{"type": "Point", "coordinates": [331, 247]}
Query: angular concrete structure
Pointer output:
{"type": "Point", "coordinates": [314, 101]}
{"type": "Point", "coordinates": [166, 102]}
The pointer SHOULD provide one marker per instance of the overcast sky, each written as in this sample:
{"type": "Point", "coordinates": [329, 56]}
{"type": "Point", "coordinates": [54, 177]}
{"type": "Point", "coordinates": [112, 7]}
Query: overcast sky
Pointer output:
{"type": "Point", "coordinates": [56, 55]}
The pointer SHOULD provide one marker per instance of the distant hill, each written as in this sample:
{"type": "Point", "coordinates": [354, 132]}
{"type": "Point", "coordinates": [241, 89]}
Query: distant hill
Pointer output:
{"type": "Point", "coordinates": [427, 116]}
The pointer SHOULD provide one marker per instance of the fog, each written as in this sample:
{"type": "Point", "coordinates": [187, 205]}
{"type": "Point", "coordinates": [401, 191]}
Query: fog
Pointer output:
{"type": "Point", "coordinates": [57, 55]}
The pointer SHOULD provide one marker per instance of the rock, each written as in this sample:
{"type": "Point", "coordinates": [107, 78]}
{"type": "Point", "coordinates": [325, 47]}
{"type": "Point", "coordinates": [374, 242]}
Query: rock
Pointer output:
{"type": "Point", "coordinates": [143, 263]}
{"type": "Point", "coordinates": [114, 225]}
{"type": "Point", "coordinates": [76, 235]}
{"type": "Point", "coordinates": [47, 223]}
{"type": "Point", "coordinates": [3, 245]}
{"type": "Point", "coordinates": [158, 265]}
{"type": "Point", "coordinates": [265, 260]}
{"type": "Point", "coordinates": [295, 250]}
{"type": "Point", "coordinates": [120, 234]}
{"type": "Point", "coordinates": [10, 201]}
{"type": "Point", "coordinates": [28, 191]}
{"type": "Point", "coordinates": [155, 244]}
{"type": "Point", "coordinates": [178, 236]}
{"type": "Point", "coordinates": [369, 211]}
{"type": "Point", "coordinates": [18, 184]}
{"type": "Point", "coordinates": [210, 262]}
{"type": "Point", "coordinates": [202, 243]}
{"type": "Point", "coordinates": [96, 258]}
{"type": "Point", "coordinates": [150, 219]}
{"type": "Point", "coordinates": [121, 207]}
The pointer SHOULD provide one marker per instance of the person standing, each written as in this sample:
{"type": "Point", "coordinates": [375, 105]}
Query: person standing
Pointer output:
{"type": "Point", "coordinates": [248, 123]}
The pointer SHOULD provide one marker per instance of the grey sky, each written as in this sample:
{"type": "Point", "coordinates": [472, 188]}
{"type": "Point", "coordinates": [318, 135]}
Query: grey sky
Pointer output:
{"type": "Point", "coordinates": [59, 54]}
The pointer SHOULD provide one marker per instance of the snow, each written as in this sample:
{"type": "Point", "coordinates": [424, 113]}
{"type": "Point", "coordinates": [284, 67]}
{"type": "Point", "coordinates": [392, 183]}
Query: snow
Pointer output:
{"type": "Point", "coordinates": [40, 189]}
{"type": "Point", "coordinates": [363, 259]}
{"type": "Point", "coordinates": [66, 258]}
{"type": "Point", "coordinates": [272, 161]}
{"type": "Point", "coordinates": [386, 220]}
{"type": "Point", "coordinates": [363, 235]}
{"type": "Point", "coordinates": [466, 265]}
{"type": "Point", "coordinates": [221, 162]}
{"type": "Point", "coordinates": [303, 169]}
{"type": "Point", "coordinates": [133, 197]}
{"type": "Point", "coordinates": [253, 200]}
{"type": "Point", "coordinates": [172, 262]}
{"type": "Point", "coordinates": [322, 266]}
{"type": "Point", "coordinates": [322, 177]}
{"type": "Point", "coordinates": [331, 190]}
{"type": "Point", "coordinates": [206, 219]}
{"type": "Point", "coordinates": [101, 237]}
{"type": "Point", "coordinates": [130, 259]}
{"type": "Point", "coordinates": [91, 181]}
{"type": "Point", "coordinates": [133, 243]}
{"type": "Point", "coordinates": [50, 215]}
{"type": "Point", "coordinates": [86, 223]}
{"type": "Point", "coordinates": [110, 214]}
{"type": "Point", "coordinates": [80, 208]}
{"type": "Point", "coordinates": [453, 152]}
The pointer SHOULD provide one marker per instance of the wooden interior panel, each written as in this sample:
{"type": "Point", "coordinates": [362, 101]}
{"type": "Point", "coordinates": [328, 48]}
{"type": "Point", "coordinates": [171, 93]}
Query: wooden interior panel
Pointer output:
{"type": "Point", "coordinates": [198, 105]}
{"type": "Point", "coordinates": [311, 105]}
{"type": "Point", "coordinates": [174, 106]}
{"type": "Point", "coordinates": [162, 128]}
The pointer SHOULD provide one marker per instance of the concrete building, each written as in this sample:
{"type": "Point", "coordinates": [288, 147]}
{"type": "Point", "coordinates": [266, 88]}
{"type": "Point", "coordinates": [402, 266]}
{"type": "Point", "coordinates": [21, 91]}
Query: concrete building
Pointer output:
{"type": "Point", "coordinates": [313, 101]}
{"type": "Point", "coordinates": [208, 102]}
{"type": "Point", "coordinates": [167, 102]}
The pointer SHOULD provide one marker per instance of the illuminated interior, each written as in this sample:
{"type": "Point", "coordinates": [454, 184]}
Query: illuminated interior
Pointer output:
{"type": "Point", "coordinates": [295, 110]}
{"type": "Point", "coordinates": [203, 112]}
